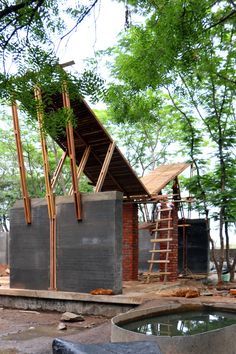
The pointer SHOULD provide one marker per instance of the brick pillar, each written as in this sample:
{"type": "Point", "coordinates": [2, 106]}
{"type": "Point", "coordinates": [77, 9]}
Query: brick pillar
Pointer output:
{"type": "Point", "coordinates": [172, 266]}
{"type": "Point", "coordinates": [130, 241]}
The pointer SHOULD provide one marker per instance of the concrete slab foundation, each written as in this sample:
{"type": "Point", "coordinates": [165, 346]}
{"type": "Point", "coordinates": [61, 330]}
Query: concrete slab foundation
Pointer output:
{"type": "Point", "coordinates": [102, 305]}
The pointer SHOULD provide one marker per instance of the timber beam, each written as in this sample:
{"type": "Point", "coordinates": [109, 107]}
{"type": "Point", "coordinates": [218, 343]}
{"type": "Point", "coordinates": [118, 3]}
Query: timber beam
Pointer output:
{"type": "Point", "coordinates": [58, 170]}
{"type": "Point", "coordinates": [71, 154]}
{"type": "Point", "coordinates": [49, 192]}
{"type": "Point", "coordinates": [26, 199]}
{"type": "Point", "coordinates": [105, 167]}
{"type": "Point", "coordinates": [81, 165]}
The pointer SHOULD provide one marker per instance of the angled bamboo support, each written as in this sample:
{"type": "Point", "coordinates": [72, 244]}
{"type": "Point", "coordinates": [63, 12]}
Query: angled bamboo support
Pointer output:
{"type": "Point", "coordinates": [58, 170]}
{"type": "Point", "coordinates": [49, 192]}
{"type": "Point", "coordinates": [82, 164]}
{"type": "Point", "coordinates": [71, 154]}
{"type": "Point", "coordinates": [24, 189]}
{"type": "Point", "coordinates": [105, 167]}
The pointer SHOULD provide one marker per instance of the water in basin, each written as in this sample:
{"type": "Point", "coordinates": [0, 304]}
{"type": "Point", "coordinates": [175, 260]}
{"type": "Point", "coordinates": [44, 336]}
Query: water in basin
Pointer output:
{"type": "Point", "coordinates": [182, 324]}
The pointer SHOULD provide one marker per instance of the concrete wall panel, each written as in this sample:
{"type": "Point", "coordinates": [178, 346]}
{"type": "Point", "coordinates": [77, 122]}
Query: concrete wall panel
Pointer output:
{"type": "Point", "coordinates": [4, 240]}
{"type": "Point", "coordinates": [29, 247]}
{"type": "Point", "coordinates": [89, 252]}
{"type": "Point", "coordinates": [144, 248]}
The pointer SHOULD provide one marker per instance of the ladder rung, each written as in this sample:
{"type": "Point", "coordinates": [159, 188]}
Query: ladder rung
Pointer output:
{"type": "Point", "coordinates": [161, 239]}
{"type": "Point", "coordinates": [183, 225]}
{"type": "Point", "coordinates": [165, 209]}
{"type": "Point", "coordinates": [156, 273]}
{"type": "Point", "coordinates": [160, 261]}
{"type": "Point", "coordinates": [160, 251]}
{"type": "Point", "coordinates": [165, 219]}
{"type": "Point", "coordinates": [164, 229]}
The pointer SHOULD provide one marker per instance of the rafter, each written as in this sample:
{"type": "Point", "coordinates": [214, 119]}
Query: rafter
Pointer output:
{"type": "Point", "coordinates": [81, 166]}
{"type": "Point", "coordinates": [105, 166]}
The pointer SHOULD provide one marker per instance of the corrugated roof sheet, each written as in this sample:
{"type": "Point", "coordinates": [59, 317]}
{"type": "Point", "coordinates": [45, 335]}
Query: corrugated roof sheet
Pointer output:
{"type": "Point", "coordinates": [156, 180]}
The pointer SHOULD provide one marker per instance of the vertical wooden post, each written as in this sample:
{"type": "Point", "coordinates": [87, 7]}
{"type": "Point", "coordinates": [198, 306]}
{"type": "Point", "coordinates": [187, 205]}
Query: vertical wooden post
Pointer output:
{"type": "Point", "coordinates": [20, 157]}
{"type": "Point", "coordinates": [49, 192]}
{"type": "Point", "coordinates": [71, 153]}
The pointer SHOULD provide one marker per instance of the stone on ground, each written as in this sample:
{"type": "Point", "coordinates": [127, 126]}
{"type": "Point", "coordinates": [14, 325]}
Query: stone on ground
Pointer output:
{"type": "Point", "coordinates": [71, 317]}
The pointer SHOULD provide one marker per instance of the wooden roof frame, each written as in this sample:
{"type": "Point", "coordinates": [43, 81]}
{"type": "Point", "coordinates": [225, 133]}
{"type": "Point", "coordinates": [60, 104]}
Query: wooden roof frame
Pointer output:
{"type": "Point", "coordinates": [106, 171]}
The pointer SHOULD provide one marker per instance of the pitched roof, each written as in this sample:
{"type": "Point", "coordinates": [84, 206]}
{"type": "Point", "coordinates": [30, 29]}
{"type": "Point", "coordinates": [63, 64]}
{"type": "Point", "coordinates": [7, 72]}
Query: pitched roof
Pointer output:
{"type": "Point", "coordinates": [90, 132]}
{"type": "Point", "coordinates": [156, 180]}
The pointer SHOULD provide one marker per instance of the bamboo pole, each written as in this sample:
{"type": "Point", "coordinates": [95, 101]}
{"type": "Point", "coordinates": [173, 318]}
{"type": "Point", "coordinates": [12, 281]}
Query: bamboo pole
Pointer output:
{"type": "Point", "coordinates": [24, 189]}
{"type": "Point", "coordinates": [49, 191]}
{"type": "Point", "coordinates": [58, 170]}
{"type": "Point", "coordinates": [105, 167]}
{"type": "Point", "coordinates": [71, 154]}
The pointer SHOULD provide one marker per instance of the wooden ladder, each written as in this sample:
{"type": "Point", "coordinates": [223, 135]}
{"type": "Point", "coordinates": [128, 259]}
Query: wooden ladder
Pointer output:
{"type": "Point", "coordinates": [157, 240]}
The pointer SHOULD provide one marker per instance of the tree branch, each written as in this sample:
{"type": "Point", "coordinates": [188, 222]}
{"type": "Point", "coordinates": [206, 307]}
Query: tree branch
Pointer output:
{"type": "Point", "coordinates": [80, 19]}
{"type": "Point", "coordinates": [222, 20]}
{"type": "Point", "coordinates": [15, 8]}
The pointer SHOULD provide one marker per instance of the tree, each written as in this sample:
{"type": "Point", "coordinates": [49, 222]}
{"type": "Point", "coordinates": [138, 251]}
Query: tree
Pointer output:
{"type": "Point", "coordinates": [10, 189]}
{"type": "Point", "coordinates": [31, 25]}
{"type": "Point", "coordinates": [28, 29]}
{"type": "Point", "coordinates": [28, 57]}
{"type": "Point", "coordinates": [139, 129]}
{"type": "Point", "coordinates": [186, 50]}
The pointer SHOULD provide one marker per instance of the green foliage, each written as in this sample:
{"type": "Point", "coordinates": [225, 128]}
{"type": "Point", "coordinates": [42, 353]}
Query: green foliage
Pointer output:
{"type": "Point", "coordinates": [26, 26]}
{"type": "Point", "coordinates": [143, 135]}
{"type": "Point", "coordinates": [185, 54]}
{"type": "Point", "coordinates": [28, 30]}
{"type": "Point", "coordinates": [49, 77]}
{"type": "Point", "coordinates": [10, 189]}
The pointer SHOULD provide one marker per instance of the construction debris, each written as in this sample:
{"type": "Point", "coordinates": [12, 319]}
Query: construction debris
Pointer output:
{"type": "Point", "coordinates": [188, 292]}
{"type": "Point", "coordinates": [4, 270]}
{"type": "Point", "coordinates": [101, 291]}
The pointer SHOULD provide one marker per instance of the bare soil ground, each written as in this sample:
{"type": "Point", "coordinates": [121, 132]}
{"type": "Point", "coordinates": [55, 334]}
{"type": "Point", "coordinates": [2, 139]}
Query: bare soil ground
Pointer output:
{"type": "Point", "coordinates": [27, 332]}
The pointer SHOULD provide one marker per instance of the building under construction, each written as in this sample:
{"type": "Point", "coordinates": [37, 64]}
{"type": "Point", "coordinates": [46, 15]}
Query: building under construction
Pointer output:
{"type": "Point", "coordinates": [84, 241]}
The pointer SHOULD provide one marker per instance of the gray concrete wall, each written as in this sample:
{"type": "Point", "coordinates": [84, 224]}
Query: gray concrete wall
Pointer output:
{"type": "Point", "coordinates": [144, 248]}
{"type": "Point", "coordinates": [29, 247]}
{"type": "Point", "coordinates": [4, 240]}
{"type": "Point", "coordinates": [89, 254]}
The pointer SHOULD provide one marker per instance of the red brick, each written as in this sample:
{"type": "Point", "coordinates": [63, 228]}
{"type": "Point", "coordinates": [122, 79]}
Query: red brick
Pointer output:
{"type": "Point", "coordinates": [130, 241]}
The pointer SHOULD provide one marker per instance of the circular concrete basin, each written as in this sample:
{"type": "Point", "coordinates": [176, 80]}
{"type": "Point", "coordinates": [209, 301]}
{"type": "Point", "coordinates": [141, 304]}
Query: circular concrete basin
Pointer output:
{"type": "Point", "coordinates": [217, 341]}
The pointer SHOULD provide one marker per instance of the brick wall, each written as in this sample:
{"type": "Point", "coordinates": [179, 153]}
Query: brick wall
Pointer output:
{"type": "Point", "coordinates": [130, 241]}
{"type": "Point", "coordinates": [172, 266]}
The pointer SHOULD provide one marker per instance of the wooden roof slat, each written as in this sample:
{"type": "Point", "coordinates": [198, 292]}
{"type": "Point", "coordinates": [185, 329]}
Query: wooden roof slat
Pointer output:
{"type": "Point", "coordinates": [156, 180]}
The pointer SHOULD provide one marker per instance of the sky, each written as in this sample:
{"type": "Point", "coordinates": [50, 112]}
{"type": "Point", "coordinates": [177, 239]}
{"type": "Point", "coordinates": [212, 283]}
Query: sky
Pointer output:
{"type": "Point", "coordinates": [97, 32]}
